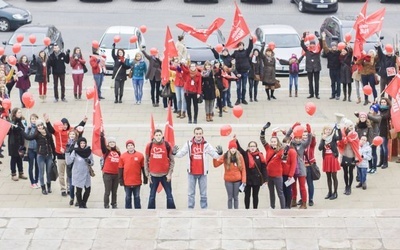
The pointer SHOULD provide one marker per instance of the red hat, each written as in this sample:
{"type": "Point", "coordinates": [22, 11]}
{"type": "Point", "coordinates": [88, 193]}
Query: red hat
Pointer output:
{"type": "Point", "coordinates": [232, 144]}
{"type": "Point", "coordinates": [129, 142]}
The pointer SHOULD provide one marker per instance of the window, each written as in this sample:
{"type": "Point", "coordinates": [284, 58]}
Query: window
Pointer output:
{"type": "Point", "coordinates": [283, 40]}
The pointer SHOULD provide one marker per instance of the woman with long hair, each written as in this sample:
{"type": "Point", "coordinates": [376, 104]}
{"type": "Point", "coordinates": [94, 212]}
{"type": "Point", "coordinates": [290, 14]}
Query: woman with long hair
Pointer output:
{"type": "Point", "coordinates": [23, 82]}
{"type": "Point", "coordinates": [16, 148]}
{"type": "Point", "coordinates": [384, 110]}
{"type": "Point", "coordinates": [77, 64]}
{"type": "Point", "coordinates": [41, 75]}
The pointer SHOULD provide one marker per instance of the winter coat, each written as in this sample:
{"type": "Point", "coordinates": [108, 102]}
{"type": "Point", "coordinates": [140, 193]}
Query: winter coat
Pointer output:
{"type": "Point", "coordinates": [57, 63]}
{"type": "Point", "coordinates": [385, 62]}
{"type": "Point", "coordinates": [268, 73]}
{"type": "Point", "coordinates": [313, 59]}
{"type": "Point", "coordinates": [77, 65]}
{"type": "Point", "coordinates": [23, 81]}
{"type": "Point", "coordinates": [385, 122]}
{"type": "Point", "coordinates": [375, 122]}
{"type": "Point", "coordinates": [139, 69]}
{"type": "Point", "coordinates": [41, 70]}
{"type": "Point", "coordinates": [337, 136]}
{"type": "Point", "coordinates": [15, 138]}
{"type": "Point", "coordinates": [208, 86]}
{"type": "Point", "coordinates": [30, 131]}
{"type": "Point", "coordinates": [254, 176]}
{"type": "Point", "coordinates": [300, 148]}
{"type": "Point", "coordinates": [242, 58]}
{"type": "Point", "coordinates": [154, 69]}
{"type": "Point", "coordinates": [44, 143]}
{"type": "Point", "coordinates": [80, 172]}
{"type": "Point", "coordinates": [366, 154]}
{"type": "Point", "coordinates": [332, 56]}
{"type": "Point", "coordinates": [345, 66]}
{"type": "Point", "coordinates": [368, 132]}
{"type": "Point", "coordinates": [290, 62]}
{"type": "Point", "coordinates": [256, 68]}
{"type": "Point", "coordinates": [368, 67]}
{"type": "Point", "coordinates": [188, 87]}
{"type": "Point", "coordinates": [120, 67]}
{"type": "Point", "coordinates": [226, 60]}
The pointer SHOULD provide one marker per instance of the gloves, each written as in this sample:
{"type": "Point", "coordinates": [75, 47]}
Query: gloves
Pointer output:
{"type": "Point", "coordinates": [308, 127]}
{"type": "Point", "coordinates": [175, 149]}
{"type": "Point", "coordinates": [68, 51]}
{"type": "Point", "coordinates": [304, 34]}
{"type": "Point", "coordinates": [316, 34]}
{"type": "Point", "coordinates": [88, 161]}
{"type": "Point", "coordinates": [113, 45]}
{"type": "Point", "coordinates": [33, 57]}
{"type": "Point", "coordinates": [219, 149]}
{"type": "Point", "coordinates": [267, 125]}
{"type": "Point", "coordinates": [296, 124]}
{"type": "Point", "coordinates": [145, 180]}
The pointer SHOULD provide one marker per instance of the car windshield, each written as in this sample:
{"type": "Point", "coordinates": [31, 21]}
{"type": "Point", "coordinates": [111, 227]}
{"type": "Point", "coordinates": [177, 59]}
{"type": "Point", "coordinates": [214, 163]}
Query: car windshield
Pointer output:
{"type": "Point", "coordinates": [372, 39]}
{"type": "Point", "coordinates": [192, 42]}
{"type": "Point", "coordinates": [26, 42]}
{"type": "Point", "coordinates": [108, 40]}
{"type": "Point", "coordinates": [283, 40]}
{"type": "Point", "coordinates": [3, 4]}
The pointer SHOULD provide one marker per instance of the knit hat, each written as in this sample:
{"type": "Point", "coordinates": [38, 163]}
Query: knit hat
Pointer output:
{"type": "Point", "coordinates": [130, 142]}
{"type": "Point", "coordinates": [232, 144]}
{"type": "Point", "coordinates": [375, 108]}
{"type": "Point", "coordinates": [362, 114]}
{"type": "Point", "coordinates": [111, 139]}
{"type": "Point", "coordinates": [294, 55]}
{"type": "Point", "coordinates": [333, 44]}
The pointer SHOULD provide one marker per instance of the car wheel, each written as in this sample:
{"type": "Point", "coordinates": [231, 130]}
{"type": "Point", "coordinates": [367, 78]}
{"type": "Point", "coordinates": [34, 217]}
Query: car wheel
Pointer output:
{"type": "Point", "coordinates": [300, 6]}
{"type": "Point", "coordinates": [4, 24]}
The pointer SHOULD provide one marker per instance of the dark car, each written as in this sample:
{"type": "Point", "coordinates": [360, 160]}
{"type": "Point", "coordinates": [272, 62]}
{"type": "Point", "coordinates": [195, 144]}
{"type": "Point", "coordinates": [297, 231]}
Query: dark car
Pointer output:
{"type": "Point", "coordinates": [336, 29]}
{"type": "Point", "coordinates": [316, 5]}
{"type": "Point", "coordinates": [200, 52]}
{"type": "Point", "coordinates": [40, 32]}
{"type": "Point", "coordinates": [11, 18]}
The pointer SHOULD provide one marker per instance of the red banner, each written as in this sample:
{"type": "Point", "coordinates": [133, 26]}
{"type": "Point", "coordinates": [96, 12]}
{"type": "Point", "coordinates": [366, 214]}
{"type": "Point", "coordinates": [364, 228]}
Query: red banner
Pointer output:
{"type": "Point", "coordinates": [395, 112]}
{"type": "Point", "coordinates": [97, 125]}
{"type": "Point", "coordinates": [372, 24]}
{"type": "Point", "coordinates": [169, 52]}
{"type": "Point", "coordinates": [152, 127]}
{"type": "Point", "coordinates": [239, 29]}
{"type": "Point", "coordinates": [4, 128]}
{"type": "Point", "coordinates": [202, 34]}
{"type": "Point", "coordinates": [361, 16]}
{"type": "Point", "coordinates": [169, 133]}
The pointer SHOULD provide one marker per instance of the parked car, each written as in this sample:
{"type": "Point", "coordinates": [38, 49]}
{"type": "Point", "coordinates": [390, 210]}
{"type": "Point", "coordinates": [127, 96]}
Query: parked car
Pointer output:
{"type": "Point", "coordinates": [125, 32]}
{"type": "Point", "coordinates": [287, 42]}
{"type": "Point", "coordinates": [316, 5]}
{"type": "Point", "coordinates": [200, 52]}
{"type": "Point", "coordinates": [336, 29]}
{"type": "Point", "coordinates": [11, 18]}
{"type": "Point", "coordinates": [40, 32]}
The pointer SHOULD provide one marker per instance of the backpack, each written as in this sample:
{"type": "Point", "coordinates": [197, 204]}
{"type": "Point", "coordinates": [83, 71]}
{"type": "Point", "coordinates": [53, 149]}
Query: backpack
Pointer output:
{"type": "Point", "coordinates": [294, 67]}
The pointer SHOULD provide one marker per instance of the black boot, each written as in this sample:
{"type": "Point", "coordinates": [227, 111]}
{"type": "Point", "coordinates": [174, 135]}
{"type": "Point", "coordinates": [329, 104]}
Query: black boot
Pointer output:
{"type": "Point", "coordinates": [49, 188]}
{"type": "Point", "coordinates": [349, 93]}
{"type": "Point", "coordinates": [79, 200]}
{"type": "Point", "coordinates": [272, 94]}
{"type": "Point", "coordinates": [267, 91]}
{"type": "Point", "coordinates": [120, 98]}
{"type": "Point", "coordinates": [80, 96]}
{"type": "Point", "coordinates": [44, 190]}
{"type": "Point", "coordinates": [76, 96]}
{"type": "Point", "coordinates": [385, 164]}
{"type": "Point", "coordinates": [380, 161]}
{"type": "Point", "coordinates": [85, 197]}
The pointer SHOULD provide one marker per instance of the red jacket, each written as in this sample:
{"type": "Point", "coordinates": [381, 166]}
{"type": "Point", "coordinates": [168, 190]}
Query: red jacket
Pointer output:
{"type": "Point", "coordinates": [191, 85]}
{"type": "Point", "coordinates": [97, 66]}
{"type": "Point", "coordinates": [290, 166]}
{"type": "Point", "coordinates": [179, 82]}
{"type": "Point", "coordinates": [233, 174]}
{"type": "Point", "coordinates": [273, 161]}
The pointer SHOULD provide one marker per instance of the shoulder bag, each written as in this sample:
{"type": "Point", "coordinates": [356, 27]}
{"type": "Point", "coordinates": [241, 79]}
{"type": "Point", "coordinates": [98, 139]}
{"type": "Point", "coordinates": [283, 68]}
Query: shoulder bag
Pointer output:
{"type": "Point", "coordinates": [166, 92]}
{"type": "Point", "coordinates": [315, 172]}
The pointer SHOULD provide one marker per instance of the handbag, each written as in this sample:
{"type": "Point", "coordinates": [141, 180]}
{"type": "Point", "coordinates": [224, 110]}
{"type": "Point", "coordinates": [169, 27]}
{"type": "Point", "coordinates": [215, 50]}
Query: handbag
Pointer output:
{"type": "Point", "coordinates": [257, 77]}
{"type": "Point", "coordinates": [91, 171]}
{"type": "Point", "coordinates": [376, 79]}
{"type": "Point", "coordinates": [53, 171]}
{"type": "Point", "coordinates": [85, 70]}
{"type": "Point", "coordinates": [166, 92]}
{"type": "Point", "coordinates": [217, 93]}
{"type": "Point", "coordinates": [277, 84]}
{"type": "Point", "coordinates": [200, 99]}
{"type": "Point", "coordinates": [130, 73]}
{"type": "Point", "coordinates": [315, 172]}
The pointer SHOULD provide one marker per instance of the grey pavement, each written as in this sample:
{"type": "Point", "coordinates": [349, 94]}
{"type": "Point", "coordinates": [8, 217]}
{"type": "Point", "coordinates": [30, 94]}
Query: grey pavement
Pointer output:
{"type": "Point", "coordinates": [367, 219]}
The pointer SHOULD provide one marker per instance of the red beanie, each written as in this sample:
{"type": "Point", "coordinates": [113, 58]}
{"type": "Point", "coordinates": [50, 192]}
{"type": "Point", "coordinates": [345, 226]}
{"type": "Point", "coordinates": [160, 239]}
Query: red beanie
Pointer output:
{"type": "Point", "coordinates": [232, 144]}
{"type": "Point", "coordinates": [130, 142]}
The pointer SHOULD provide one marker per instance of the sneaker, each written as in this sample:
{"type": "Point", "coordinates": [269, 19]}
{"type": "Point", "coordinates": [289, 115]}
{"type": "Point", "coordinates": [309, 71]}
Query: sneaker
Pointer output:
{"type": "Point", "coordinates": [101, 97]}
{"type": "Point", "coordinates": [14, 177]}
{"type": "Point", "coordinates": [310, 96]}
{"type": "Point", "coordinates": [317, 97]}
{"type": "Point", "coordinates": [64, 100]}
{"type": "Point", "coordinates": [245, 102]}
{"type": "Point", "coordinates": [237, 102]}
{"type": "Point", "coordinates": [64, 193]}
{"type": "Point", "coordinates": [37, 185]}
{"type": "Point", "coordinates": [230, 106]}
{"type": "Point", "coordinates": [114, 206]}
{"type": "Point", "coordinates": [55, 100]}
{"type": "Point", "coordinates": [373, 171]}
{"type": "Point", "coordinates": [332, 97]}
{"type": "Point", "coordinates": [311, 203]}
{"type": "Point", "coordinates": [337, 97]}
{"type": "Point", "coordinates": [1, 155]}
{"type": "Point", "coordinates": [33, 186]}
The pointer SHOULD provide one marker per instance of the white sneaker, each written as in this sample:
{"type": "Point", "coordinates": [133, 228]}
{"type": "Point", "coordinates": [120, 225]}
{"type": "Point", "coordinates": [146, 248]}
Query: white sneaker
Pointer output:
{"type": "Point", "coordinates": [37, 185]}
{"type": "Point", "coordinates": [33, 186]}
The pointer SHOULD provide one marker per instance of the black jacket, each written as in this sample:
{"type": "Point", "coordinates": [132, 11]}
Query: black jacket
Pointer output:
{"type": "Point", "coordinates": [44, 143]}
{"type": "Point", "coordinates": [39, 77]}
{"type": "Point", "coordinates": [119, 71]}
{"type": "Point", "coordinates": [15, 139]}
{"type": "Point", "coordinates": [242, 58]}
{"type": "Point", "coordinates": [337, 136]}
{"type": "Point", "coordinates": [57, 63]}
{"type": "Point", "coordinates": [253, 176]}
{"type": "Point", "coordinates": [313, 60]}
{"type": "Point", "coordinates": [208, 86]}
{"type": "Point", "coordinates": [385, 62]}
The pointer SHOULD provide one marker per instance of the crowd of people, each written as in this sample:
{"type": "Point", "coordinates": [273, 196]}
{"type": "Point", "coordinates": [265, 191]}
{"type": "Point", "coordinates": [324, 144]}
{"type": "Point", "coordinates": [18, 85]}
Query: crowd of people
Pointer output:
{"type": "Point", "coordinates": [285, 165]}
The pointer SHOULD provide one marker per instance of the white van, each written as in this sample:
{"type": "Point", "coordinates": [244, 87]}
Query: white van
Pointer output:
{"type": "Point", "coordinates": [125, 32]}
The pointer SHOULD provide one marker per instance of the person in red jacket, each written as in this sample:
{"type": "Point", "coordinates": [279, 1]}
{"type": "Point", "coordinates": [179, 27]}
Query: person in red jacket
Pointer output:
{"type": "Point", "coordinates": [98, 65]}
{"type": "Point", "coordinates": [289, 162]}
{"type": "Point", "coordinates": [111, 156]}
{"type": "Point", "coordinates": [273, 159]}
{"type": "Point", "coordinates": [192, 87]}
{"type": "Point", "coordinates": [234, 174]}
{"type": "Point", "coordinates": [78, 70]}
{"type": "Point", "coordinates": [159, 165]}
{"type": "Point", "coordinates": [131, 165]}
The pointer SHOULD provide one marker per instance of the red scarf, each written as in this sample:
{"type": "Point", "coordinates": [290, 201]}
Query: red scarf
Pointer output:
{"type": "Point", "coordinates": [251, 156]}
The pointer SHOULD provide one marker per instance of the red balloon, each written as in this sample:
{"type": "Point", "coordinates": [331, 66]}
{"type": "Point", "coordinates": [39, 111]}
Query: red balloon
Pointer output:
{"type": "Point", "coordinates": [27, 100]}
{"type": "Point", "coordinates": [12, 60]}
{"type": "Point", "coordinates": [90, 93]}
{"type": "Point", "coordinates": [219, 48]}
{"type": "Point", "coordinates": [225, 130]}
{"type": "Point", "coordinates": [298, 131]}
{"type": "Point", "coordinates": [6, 104]}
{"type": "Point", "coordinates": [237, 111]}
{"type": "Point", "coordinates": [389, 48]}
{"type": "Point", "coordinates": [341, 46]}
{"type": "Point", "coordinates": [347, 37]}
{"type": "Point", "coordinates": [153, 51]}
{"type": "Point", "coordinates": [58, 126]}
{"type": "Point", "coordinates": [254, 38]}
{"type": "Point", "coordinates": [20, 38]}
{"type": "Point", "coordinates": [95, 44]}
{"type": "Point", "coordinates": [143, 29]}
{"type": "Point", "coordinates": [271, 45]}
{"type": "Point", "coordinates": [310, 108]}
{"type": "Point", "coordinates": [1, 51]}
{"type": "Point", "coordinates": [133, 39]}
{"type": "Point", "coordinates": [32, 39]}
{"type": "Point", "coordinates": [16, 48]}
{"type": "Point", "coordinates": [377, 141]}
{"type": "Point", "coordinates": [367, 90]}
{"type": "Point", "coordinates": [46, 41]}
{"type": "Point", "coordinates": [117, 39]}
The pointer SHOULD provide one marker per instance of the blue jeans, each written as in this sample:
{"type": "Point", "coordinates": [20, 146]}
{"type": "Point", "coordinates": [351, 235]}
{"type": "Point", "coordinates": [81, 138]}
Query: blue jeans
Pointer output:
{"type": "Point", "coordinates": [362, 174]}
{"type": "Point", "coordinates": [385, 149]}
{"type": "Point", "coordinates": [138, 89]}
{"type": "Point", "coordinates": [44, 163]}
{"type": "Point", "coordinates": [33, 166]}
{"type": "Point", "coordinates": [98, 78]}
{"type": "Point", "coordinates": [253, 88]}
{"type": "Point", "coordinates": [374, 156]}
{"type": "Point", "coordinates": [232, 189]}
{"type": "Point", "coordinates": [227, 96]}
{"type": "Point", "coordinates": [310, 184]}
{"type": "Point", "coordinates": [334, 74]}
{"type": "Point", "coordinates": [155, 181]}
{"type": "Point", "coordinates": [192, 179]}
{"type": "Point", "coordinates": [241, 86]}
{"type": "Point", "coordinates": [135, 191]}
{"type": "Point", "coordinates": [180, 99]}
{"type": "Point", "coordinates": [71, 188]}
{"type": "Point", "coordinates": [293, 80]}
{"type": "Point", "coordinates": [369, 79]}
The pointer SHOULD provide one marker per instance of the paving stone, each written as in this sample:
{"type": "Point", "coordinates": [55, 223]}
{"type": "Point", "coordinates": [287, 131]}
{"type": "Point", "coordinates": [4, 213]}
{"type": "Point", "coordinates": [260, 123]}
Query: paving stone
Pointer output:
{"type": "Point", "coordinates": [23, 223]}
{"type": "Point", "coordinates": [236, 244]}
{"type": "Point", "coordinates": [53, 223]}
{"type": "Point", "coordinates": [268, 222]}
{"type": "Point", "coordinates": [111, 233]}
{"type": "Point", "coordinates": [76, 244]}
{"type": "Point", "coordinates": [302, 233]}
{"type": "Point", "coordinates": [140, 244]}
{"type": "Point", "coordinates": [206, 222]}
{"type": "Point", "coordinates": [299, 222]}
{"type": "Point", "coordinates": [206, 233]}
{"type": "Point", "coordinates": [366, 244]}
{"type": "Point", "coordinates": [269, 244]}
{"type": "Point", "coordinates": [360, 233]}
{"type": "Point", "coordinates": [302, 244]}
{"type": "Point", "coordinates": [142, 233]}
{"type": "Point", "coordinates": [389, 232]}
{"type": "Point", "coordinates": [27, 213]}
{"type": "Point", "coordinates": [84, 223]}
{"type": "Point", "coordinates": [388, 222]}
{"type": "Point", "coordinates": [331, 233]}
{"type": "Point", "coordinates": [80, 233]}
{"type": "Point", "coordinates": [176, 222]}
{"type": "Point", "coordinates": [360, 222]}
{"type": "Point", "coordinates": [108, 243]}
{"type": "Point", "coordinates": [237, 222]}
{"type": "Point", "coordinates": [83, 213]}
{"type": "Point", "coordinates": [237, 233]}
{"type": "Point", "coordinates": [391, 243]}
{"type": "Point", "coordinates": [204, 244]}
{"type": "Point", "coordinates": [17, 234]}
{"type": "Point", "coordinates": [114, 223]}
{"type": "Point", "coordinates": [3, 222]}
{"type": "Point", "coordinates": [145, 222]}
{"type": "Point", "coordinates": [14, 244]}
{"type": "Point", "coordinates": [49, 233]}
{"type": "Point", "coordinates": [334, 244]}
{"type": "Point", "coordinates": [44, 244]}
{"type": "Point", "coordinates": [330, 222]}
{"type": "Point", "coordinates": [172, 244]}
{"type": "Point", "coordinates": [174, 234]}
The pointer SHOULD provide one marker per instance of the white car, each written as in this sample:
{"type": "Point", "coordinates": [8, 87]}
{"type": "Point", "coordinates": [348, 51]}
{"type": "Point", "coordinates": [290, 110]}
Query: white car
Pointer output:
{"type": "Point", "coordinates": [125, 33]}
{"type": "Point", "coordinates": [287, 42]}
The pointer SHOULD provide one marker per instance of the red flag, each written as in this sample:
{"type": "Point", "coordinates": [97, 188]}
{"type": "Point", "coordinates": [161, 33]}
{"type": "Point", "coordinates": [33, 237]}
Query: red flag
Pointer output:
{"type": "Point", "coordinates": [239, 29]}
{"type": "Point", "coordinates": [152, 127]}
{"type": "Point", "coordinates": [169, 52]}
{"type": "Point", "coordinates": [4, 128]}
{"type": "Point", "coordinates": [358, 45]}
{"type": "Point", "coordinates": [202, 34]}
{"type": "Point", "coordinates": [169, 133]}
{"type": "Point", "coordinates": [395, 112]}
{"type": "Point", "coordinates": [362, 16]}
{"type": "Point", "coordinates": [97, 125]}
{"type": "Point", "coordinates": [393, 87]}
{"type": "Point", "coordinates": [373, 23]}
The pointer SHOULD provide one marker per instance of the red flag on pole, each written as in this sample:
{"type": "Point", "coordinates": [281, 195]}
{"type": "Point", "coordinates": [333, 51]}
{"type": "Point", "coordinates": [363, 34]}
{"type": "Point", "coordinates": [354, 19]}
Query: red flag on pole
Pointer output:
{"type": "Point", "coordinates": [169, 52]}
{"type": "Point", "coordinates": [373, 24]}
{"type": "Point", "coordinates": [97, 124]}
{"type": "Point", "coordinates": [239, 29]}
{"type": "Point", "coordinates": [361, 16]}
{"type": "Point", "coordinates": [169, 133]}
{"type": "Point", "coordinates": [4, 128]}
{"type": "Point", "coordinates": [358, 45]}
{"type": "Point", "coordinates": [152, 127]}
{"type": "Point", "coordinates": [393, 87]}
{"type": "Point", "coordinates": [202, 34]}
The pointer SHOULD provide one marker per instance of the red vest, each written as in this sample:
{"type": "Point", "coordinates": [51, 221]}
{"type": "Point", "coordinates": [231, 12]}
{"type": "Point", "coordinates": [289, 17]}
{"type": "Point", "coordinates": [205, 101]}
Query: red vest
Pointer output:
{"type": "Point", "coordinates": [196, 158]}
